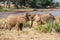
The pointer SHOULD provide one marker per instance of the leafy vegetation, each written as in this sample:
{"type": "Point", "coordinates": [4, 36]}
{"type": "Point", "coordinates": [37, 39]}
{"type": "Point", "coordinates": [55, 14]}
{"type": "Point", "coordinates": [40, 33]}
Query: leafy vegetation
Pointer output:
{"type": "Point", "coordinates": [32, 3]}
{"type": "Point", "coordinates": [45, 28]}
{"type": "Point", "coordinates": [26, 25]}
{"type": "Point", "coordinates": [57, 26]}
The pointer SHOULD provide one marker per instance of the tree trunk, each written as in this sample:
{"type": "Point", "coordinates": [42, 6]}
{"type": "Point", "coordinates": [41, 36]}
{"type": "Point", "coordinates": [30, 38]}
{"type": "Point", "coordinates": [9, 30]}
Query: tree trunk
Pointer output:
{"type": "Point", "coordinates": [5, 4]}
{"type": "Point", "coordinates": [8, 3]}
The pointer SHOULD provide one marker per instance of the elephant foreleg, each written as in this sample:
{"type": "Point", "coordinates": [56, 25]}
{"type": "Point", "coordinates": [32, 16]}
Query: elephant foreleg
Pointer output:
{"type": "Point", "coordinates": [31, 23]}
{"type": "Point", "coordinates": [19, 26]}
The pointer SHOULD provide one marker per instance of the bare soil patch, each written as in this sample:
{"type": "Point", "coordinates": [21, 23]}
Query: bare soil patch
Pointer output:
{"type": "Point", "coordinates": [27, 34]}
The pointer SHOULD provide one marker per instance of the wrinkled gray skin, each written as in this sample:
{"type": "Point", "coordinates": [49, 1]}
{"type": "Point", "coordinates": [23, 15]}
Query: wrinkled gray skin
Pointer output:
{"type": "Point", "coordinates": [48, 17]}
{"type": "Point", "coordinates": [31, 17]}
{"type": "Point", "coordinates": [18, 21]}
{"type": "Point", "coordinates": [43, 18]}
{"type": "Point", "coordinates": [37, 19]}
{"type": "Point", "coordinates": [10, 21]}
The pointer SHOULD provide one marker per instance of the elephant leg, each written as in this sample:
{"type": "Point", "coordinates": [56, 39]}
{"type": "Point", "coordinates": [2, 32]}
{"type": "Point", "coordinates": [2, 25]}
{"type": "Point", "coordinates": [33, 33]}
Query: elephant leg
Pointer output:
{"type": "Point", "coordinates": [17, 27]}
{"type": "Point", "coordinates": [9, 27]}
{"type": "Point", "coordinates": [31, 23]}
{"type": "Point", "coordinates": [21, 26]}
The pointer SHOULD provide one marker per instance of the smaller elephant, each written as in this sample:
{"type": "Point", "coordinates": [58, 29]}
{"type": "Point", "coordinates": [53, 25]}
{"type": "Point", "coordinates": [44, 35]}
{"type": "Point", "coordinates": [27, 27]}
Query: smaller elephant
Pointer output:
{"type": "Point", "coordinates": [48, 17]}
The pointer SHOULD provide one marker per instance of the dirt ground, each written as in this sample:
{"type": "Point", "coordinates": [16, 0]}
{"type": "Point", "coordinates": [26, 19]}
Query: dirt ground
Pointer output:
{"type": "Point", "coordinates": [27, 34]}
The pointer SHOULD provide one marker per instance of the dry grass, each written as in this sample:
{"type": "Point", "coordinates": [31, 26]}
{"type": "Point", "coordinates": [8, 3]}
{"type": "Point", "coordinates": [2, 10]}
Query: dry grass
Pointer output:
{"type": "Point", "coordinates": [27, 34]}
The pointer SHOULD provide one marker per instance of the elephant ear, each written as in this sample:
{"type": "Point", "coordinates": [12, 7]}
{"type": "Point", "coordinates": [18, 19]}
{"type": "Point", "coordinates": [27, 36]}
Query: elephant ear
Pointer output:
{"type": "Point", "coordinates": [26, 15]}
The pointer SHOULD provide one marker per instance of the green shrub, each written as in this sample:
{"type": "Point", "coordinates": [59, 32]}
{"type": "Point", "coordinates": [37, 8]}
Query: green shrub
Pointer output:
{"type": "Point", "coordinates": [26, 25]}
{"type": "Point", "coordinates": [49, 27]}
{"type": "Point", "coordinates": [45, 28]}
{"type": "Point", "coordinates": [57, 27]}
{"type": "Point", "coordinates": [3, 10]}
{"type": "Point", "coordinates": [41, 28]}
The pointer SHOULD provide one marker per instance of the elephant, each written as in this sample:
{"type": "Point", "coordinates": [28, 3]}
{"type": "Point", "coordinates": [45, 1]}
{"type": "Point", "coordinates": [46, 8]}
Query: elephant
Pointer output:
{"type": "Point", "coordinates": [31, 16]}
{"type": "Point", "coordinates": [18, 21]}
{"type": "Point", "coordinates": [10, 21]}
{"type": "Point", "coordinates": [40, 19]}
{"type": "Point", "coordinates": [48, 17]}
{"type": "Point", "coordinates": [37, 19]}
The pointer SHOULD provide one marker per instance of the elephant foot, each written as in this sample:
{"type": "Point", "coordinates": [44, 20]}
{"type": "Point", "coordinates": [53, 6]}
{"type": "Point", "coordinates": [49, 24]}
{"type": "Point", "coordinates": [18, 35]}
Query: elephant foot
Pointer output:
{"type": "Point", "coordinates": [19, 29]}
{"type": "Point", "coordinates": [9, 29]}
{"type": "Point", "coordinates": [30, 27]}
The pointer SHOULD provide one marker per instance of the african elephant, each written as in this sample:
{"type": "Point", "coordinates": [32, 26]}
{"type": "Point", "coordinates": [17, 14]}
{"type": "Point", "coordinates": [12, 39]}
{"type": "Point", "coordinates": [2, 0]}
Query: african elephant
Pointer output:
{"type": "Point", "coordinates": [31, 16]}
{"type": "Point", "coordinates": [10, 21]}
{"type": "Point", "coordinates": [48, 17]}
{"type": "Point", "coordinates": [37, 18]}
{"type": "Point", "coordinates": [42, 19]}
{"type": "Point", "coordinates": [18, 21]}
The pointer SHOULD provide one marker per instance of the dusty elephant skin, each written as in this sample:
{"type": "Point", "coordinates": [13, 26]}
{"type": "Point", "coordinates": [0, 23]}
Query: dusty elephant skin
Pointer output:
{"type": "Point", "coordinates": [31, 16]}
{"type": "Point", "coordinates": [40, 19]}
{"type": "Point", "coordinates": [44, 18]}
{"type": "Point", "coordinates": [37, 20]}
{"type": "Point", "coordinates": [18, 21]}
{"type": "Point", "coordinates": [15, 21]}
{"type": "Point", "coordinates": [10, 21]}
{"type": "Point", "coordinates": [47, 18]}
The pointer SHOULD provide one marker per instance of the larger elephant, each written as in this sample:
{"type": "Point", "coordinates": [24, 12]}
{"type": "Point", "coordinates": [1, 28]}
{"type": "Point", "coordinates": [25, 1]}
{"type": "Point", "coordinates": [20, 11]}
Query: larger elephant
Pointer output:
{"type": "Point", "coordinates": [18, 21]}
{"type": "Point", "coordinates": [10, 21]}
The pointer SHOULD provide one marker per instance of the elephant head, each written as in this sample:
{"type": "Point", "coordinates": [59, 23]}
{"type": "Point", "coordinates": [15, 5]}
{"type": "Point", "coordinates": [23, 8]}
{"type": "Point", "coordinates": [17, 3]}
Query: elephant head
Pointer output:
{"type": "Point", "coordinates": [37, 19]}
{"type": "Point", "coordinates": [30, 17]}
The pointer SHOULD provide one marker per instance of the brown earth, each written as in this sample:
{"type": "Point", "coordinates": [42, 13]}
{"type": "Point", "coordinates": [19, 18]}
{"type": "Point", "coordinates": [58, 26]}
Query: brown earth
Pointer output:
{"type": "Point", "coordinates": [27, 34]}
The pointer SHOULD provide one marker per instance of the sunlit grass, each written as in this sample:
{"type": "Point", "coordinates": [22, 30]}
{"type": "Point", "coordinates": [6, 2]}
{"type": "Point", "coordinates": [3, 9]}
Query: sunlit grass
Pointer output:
{"type": "Point", "coordinates": [57, 25]}
{"type": "Point", "coordinates": [46, 27]}
{"type": "Point", "coordinates": [42, 28]}
{"type": "Point", "coordinates": [26, 25]}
